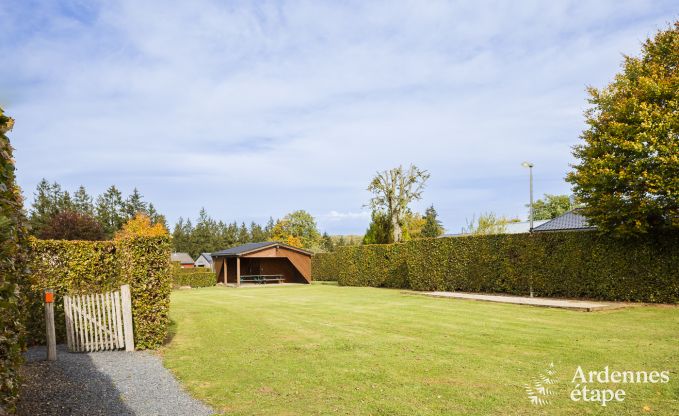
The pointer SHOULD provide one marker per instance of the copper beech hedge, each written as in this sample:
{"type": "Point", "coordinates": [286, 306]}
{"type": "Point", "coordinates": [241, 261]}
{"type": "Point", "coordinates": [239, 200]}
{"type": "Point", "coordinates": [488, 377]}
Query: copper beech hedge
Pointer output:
{"type": "Point", "coordinates": [560, 264]}
{"type": "Point", "coordinates": [100, 266]}
{"type": "Point", "coordinates": [194, 277]}
{"type": "Point", "coordinates": [13, 256]}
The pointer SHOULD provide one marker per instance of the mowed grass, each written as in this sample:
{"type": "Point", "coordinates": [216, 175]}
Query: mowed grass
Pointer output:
{"type": "Point", "coordinates": [323, 349]}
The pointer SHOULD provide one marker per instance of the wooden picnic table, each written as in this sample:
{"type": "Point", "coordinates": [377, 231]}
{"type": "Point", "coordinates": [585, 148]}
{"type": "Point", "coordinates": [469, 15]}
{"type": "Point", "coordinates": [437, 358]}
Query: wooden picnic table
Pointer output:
{"type": "Point", "coordinates": [262, 278]}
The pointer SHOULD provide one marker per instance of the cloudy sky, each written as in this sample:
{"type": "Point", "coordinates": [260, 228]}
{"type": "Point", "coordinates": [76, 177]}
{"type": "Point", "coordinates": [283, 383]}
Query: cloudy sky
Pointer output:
{"type": "Point", "coordinates": [255, 109]}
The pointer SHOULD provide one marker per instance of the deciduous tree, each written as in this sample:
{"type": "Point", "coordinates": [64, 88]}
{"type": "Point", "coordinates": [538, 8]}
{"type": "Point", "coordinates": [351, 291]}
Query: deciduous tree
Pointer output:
{"type": "Point", "coordinates": [393, 190]}
{"type": "Point", "coordinates": [551, 206]}
{"type": "Point", "coordinates": [72, 225]}
{"type": "Point", "coordinates": [140, 226]}
{"type": "Point", "coordinates": [300, 225]}
{"type": "Point", "coordinates": [627, 170]}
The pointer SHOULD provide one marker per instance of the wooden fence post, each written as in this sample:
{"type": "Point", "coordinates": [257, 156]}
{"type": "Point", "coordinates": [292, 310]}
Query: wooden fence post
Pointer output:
{"type": "Point", "coordinates": [127, 317]}
{"type": "Point", "coordinates": [49, 324]}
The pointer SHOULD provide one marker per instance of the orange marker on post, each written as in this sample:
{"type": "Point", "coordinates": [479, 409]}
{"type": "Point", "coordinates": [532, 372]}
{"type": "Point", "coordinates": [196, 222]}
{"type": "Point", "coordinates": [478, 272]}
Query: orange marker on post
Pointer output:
{"type": "Point", "coordinates": [49, 325]}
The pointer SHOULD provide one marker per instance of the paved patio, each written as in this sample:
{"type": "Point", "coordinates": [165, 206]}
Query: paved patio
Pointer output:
{"type": "Point", "coordinates": [579, 305]}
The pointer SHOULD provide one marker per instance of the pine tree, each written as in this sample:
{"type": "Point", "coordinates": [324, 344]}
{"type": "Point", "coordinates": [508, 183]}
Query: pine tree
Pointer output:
{"type": "Point", "coordinates": [48, 201]}
{"type": "Point", "coordinates": [432, 226]}
{"type": "Point", "coordinates": [135, 204]}
{"type": "Point", "coordinates": [82, 202]}
{"type": "Point", "coordinates": [257, 233]}
{"type": "Point", "coordinates": [65, 202]}
{"type": "Point", "coordinates": [243, 234]}
{"type": "Point", "coordinates": [110, 211]}
{"type": "Point", "coordinates": [326, 242]}
{"type": "Point", "coordinates": [379, 230]}
{"type": "Point", "coordinates": [268, 229]}
{"type": "Point", "coordinates": [181, 236]}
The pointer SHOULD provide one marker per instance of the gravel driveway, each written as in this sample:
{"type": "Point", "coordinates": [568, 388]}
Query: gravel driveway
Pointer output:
{"type": "Point", "coordinates": [102, 383]}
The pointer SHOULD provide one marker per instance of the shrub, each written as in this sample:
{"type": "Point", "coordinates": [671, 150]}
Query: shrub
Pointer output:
{"type": "Point", "coordinates": [567, 264]}
{"type": "Point", "coordinates": [12, 272]}
{"type": "Point", "coordinates": [195, 277]}
{"type": "Point", "coordinates": [100, 266]}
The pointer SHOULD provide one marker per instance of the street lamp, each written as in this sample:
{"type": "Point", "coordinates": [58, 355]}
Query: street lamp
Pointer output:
{"type": "Point", "coordinates": [530, 170]}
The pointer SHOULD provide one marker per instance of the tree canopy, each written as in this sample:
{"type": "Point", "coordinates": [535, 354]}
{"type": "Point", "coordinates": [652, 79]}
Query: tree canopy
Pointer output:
{"type": "Point", "coordinates": [432, 226]}
{"type": "Point", "coordinates": [72, 225]}
{"type": "Point", "coordinates": [393, 190]}
{"type": "Point", "coordinates": [627, 170]}
{"type": "Point", "coordinates": [140, 226]}
{"type": "Point", "coordinates": [297, 229]}
{"type": "Point", "coordinates": [111, 211]}
{"type": "Point", "coordinates": [551, 206]}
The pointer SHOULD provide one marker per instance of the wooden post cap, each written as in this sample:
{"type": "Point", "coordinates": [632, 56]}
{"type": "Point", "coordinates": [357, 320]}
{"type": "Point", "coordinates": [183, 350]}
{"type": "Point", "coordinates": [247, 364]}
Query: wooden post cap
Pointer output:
{"type": "Point", "coordinates": [49, 297]}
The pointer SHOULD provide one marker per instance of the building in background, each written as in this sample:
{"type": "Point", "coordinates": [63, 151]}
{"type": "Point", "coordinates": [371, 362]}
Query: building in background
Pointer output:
{"type": "Point", "coordinates": [184, 260]}
{"type": "Point", "coordinates": [204, 260]}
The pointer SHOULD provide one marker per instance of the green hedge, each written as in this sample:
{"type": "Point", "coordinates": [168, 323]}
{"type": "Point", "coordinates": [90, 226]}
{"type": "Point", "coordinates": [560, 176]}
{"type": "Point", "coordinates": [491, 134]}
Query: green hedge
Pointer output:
{"type": "Point", "coordinates": [323, 267]}
{"type": "Point", "coordinates": [13, 257]}
{"type": "Point", "coordinates": [194, 277]}
{"type": "Point", "coordinates": [567, 264]}
{"type": "Point", "coordinates": [100, 266]}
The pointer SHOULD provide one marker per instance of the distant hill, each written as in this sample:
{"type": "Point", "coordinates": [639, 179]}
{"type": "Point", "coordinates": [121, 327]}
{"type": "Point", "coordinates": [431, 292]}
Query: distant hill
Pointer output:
{"type": "Point", "coordinates": [349, 240]}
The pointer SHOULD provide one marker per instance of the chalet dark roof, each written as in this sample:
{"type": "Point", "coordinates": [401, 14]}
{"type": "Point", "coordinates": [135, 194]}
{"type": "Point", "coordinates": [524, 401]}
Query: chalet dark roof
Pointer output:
{"type": "Point", "coordinates": [183, 258]}
{"type": "Point", "coordinates": [250, 247]}
{"type": "Point", "coordinates": [570, 221]}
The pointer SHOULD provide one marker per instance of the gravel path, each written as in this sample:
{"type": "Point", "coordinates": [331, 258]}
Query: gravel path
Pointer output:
{"type": "Point", "coordinates": [102, 383]}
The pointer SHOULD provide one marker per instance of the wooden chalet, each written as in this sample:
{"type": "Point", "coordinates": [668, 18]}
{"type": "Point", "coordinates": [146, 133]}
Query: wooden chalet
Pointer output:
{"type": "Point", "coordinates": [266, 262]}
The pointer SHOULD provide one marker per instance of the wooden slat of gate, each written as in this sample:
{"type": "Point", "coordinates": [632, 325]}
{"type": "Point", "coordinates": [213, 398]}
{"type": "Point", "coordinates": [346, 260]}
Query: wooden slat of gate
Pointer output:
{"type": "Point", "coordinates": [107, 308]}
{"type": "Point", "coordinates": [119, 322]}
{"type": "Point", "coordinates": [107, 321]}
{"type": "Point", "coordinates": [100, 319]}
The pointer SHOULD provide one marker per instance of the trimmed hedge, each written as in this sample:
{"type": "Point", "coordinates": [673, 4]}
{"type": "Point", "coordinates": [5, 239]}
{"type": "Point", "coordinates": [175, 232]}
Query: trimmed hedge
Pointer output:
{"type": "Point", "coordinates": [13, 256]}
{"type": "Point", "coordinates": [100, 266]}
{"type": "Point", "coordinates": [565, 264]}
{"type": "Point", "coordinates": [194, 277]}
{"type": "Point", "coordinates": [323, 267]}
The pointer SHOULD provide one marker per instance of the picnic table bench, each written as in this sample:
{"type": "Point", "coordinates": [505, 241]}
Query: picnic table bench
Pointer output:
{"type": "Point", "coordinates": [262, 278]}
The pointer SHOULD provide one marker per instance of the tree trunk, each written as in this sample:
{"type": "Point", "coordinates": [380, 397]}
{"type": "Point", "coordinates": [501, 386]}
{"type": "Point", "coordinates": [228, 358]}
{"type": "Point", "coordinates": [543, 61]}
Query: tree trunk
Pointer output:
{"type": "Point", "coordinates": [396, 228]}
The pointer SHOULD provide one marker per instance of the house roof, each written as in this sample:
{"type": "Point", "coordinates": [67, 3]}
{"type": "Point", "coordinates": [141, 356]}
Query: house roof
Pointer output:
{"type": "Point", "coordinates": [570, 221]}
{"type": "Point", "coordinates": [521, 227]}
{"type": "Point", "coordinates": [253, 247]}
{"type": "Point", "coordinates": [182, 258]}
{"type": "Point", "coordinates": [206, 256]}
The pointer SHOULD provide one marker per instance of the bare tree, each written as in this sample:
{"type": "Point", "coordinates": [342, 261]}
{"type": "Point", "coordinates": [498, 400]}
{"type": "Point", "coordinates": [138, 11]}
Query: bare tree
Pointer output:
{"type": "Point", "coordinates": [394, 189]}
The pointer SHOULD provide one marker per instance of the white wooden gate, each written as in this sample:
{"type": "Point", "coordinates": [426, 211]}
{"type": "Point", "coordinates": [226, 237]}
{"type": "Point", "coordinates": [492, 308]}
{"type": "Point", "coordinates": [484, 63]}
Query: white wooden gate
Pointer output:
{"type": "Point", "coordinates": [101, 321]}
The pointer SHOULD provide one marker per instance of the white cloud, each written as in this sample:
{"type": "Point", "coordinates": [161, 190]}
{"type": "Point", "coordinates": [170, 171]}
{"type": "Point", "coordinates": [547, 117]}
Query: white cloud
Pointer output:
{"type": "Point", "coordinates": [257, 109]}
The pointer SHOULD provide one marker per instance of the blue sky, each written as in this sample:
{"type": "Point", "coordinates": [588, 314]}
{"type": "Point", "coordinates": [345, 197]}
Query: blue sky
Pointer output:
{"type": "Point", "coordinates": [256, 109]}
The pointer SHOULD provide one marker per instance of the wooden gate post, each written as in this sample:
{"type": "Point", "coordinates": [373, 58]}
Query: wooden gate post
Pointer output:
{"type": "Point", "coordinates": [49, 324]}
{"type": "Point", "coordinates": [127, 317]}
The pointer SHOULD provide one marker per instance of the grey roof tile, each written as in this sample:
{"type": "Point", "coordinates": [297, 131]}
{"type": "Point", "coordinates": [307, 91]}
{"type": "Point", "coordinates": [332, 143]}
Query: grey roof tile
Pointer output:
{"type": "Point", "coordinates": [572, 220]}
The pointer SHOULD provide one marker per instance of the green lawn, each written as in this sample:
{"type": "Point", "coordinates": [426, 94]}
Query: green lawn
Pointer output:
{"type": "Point", "coordinates": [323, 349]}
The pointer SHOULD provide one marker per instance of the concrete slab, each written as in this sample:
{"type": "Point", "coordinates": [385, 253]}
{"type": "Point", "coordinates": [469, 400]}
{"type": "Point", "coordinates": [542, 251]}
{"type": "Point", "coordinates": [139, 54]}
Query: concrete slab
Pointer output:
{"type": "Point", "coordinates": [579, 305]}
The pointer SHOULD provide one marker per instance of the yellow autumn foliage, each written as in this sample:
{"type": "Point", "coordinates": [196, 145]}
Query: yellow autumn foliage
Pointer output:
{"type": "Point", "coordinates": [141, 226]}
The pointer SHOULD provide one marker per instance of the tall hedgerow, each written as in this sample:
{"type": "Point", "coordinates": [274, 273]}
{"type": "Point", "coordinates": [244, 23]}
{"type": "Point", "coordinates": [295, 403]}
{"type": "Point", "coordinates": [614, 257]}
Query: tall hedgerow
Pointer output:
{"type": "Point", "coordinates": [12, 269]}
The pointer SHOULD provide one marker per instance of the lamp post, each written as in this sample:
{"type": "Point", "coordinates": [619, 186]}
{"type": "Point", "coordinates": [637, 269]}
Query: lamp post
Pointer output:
{"type": "Point", "coordinates": [530, 172]}
{"type": "Point", "coordinates": [530, 213]}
